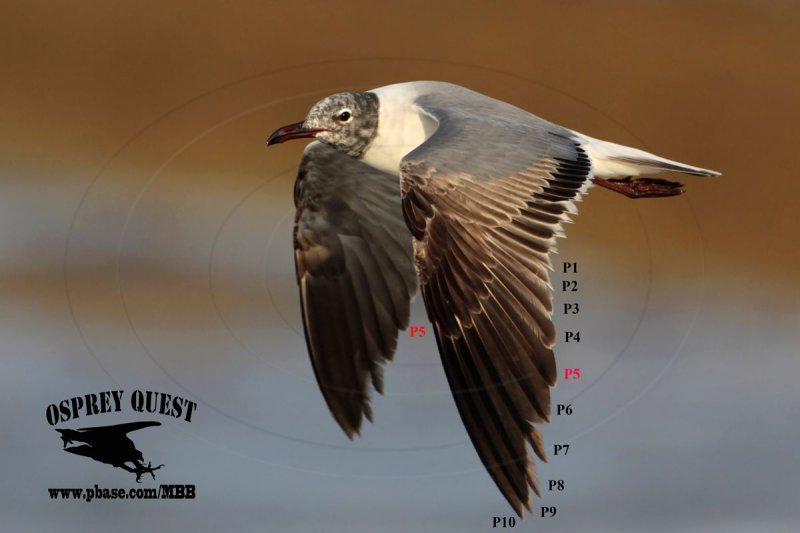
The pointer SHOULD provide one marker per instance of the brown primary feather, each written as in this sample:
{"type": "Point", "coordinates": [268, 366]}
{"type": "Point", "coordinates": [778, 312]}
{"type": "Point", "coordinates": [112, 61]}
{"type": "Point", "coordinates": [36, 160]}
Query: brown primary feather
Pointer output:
{"type": "Point", "coordinates": [482, 255]}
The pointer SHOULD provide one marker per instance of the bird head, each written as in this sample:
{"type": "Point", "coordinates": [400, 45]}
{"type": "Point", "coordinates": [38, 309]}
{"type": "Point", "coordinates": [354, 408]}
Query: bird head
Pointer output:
{"type": "Point", "coordinates": [346, 121]}
{"type": "Point", "coordinates": [67, 435]}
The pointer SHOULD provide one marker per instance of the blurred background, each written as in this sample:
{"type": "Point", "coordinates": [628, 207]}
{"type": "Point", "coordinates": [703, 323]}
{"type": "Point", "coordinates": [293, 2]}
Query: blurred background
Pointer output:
{"type": "Point", "coordinates": [145, 243]}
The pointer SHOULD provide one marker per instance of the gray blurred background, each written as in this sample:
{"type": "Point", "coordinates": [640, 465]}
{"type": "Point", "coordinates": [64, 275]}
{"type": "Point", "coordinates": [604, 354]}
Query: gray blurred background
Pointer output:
{"type": "Point", "coordinates": [145, 243]}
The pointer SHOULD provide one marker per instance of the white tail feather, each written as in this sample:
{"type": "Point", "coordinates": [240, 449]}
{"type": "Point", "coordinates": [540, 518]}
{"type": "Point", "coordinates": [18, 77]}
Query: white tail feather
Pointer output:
{"type": "Point", "coordinates": [611, 160]}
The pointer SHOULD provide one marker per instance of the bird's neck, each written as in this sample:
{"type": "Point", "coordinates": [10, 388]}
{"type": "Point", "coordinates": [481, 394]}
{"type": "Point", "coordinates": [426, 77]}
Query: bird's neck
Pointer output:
{"type": "Point", "coordinates": [402, 126]}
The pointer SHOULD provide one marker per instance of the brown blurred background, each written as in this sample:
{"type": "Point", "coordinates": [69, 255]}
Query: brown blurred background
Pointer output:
{"type": "Point", "coordinates": [145, 243]}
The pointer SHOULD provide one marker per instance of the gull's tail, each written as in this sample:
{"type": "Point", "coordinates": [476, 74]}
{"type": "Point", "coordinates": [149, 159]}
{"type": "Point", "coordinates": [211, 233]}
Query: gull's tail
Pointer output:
{"type": "Point", "coordinates": [611, 160]}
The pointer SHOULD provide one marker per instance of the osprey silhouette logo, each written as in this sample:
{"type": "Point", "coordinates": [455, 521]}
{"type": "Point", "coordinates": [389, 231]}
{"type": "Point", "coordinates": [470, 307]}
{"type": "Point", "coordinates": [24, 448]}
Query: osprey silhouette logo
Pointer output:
{"type": "Point", "coordinates": [111, 445]}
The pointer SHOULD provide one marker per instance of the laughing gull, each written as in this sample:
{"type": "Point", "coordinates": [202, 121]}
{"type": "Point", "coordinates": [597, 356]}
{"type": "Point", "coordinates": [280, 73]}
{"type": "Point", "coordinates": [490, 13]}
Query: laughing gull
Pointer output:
{"type": "Point", "coordinates": [432, 183]}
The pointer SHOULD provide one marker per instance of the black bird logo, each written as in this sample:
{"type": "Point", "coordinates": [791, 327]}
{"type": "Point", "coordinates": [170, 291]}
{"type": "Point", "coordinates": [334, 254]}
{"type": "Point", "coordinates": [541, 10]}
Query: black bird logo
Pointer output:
{"type": "Point", "coordinates": [111, 445]}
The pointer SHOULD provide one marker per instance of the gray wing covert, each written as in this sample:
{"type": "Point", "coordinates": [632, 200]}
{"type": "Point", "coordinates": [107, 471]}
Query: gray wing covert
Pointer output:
{"type": "Point", "coordinates": [355, 271]}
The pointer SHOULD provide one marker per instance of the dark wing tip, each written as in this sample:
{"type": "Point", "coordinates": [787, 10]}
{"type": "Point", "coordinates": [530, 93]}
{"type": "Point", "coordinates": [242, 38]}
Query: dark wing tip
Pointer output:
{"type": "Point", "coordinates": [350, 421]}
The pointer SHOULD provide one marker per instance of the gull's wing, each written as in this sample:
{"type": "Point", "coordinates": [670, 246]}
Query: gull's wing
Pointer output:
{"type": "Point", "coordinates": [485, 197]}
{"type": "Point", "coordinates": [356, 275]}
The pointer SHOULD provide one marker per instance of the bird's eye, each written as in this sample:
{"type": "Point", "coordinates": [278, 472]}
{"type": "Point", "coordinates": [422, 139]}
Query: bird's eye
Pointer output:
{"type": "Point", "coordinates": [344, 116]}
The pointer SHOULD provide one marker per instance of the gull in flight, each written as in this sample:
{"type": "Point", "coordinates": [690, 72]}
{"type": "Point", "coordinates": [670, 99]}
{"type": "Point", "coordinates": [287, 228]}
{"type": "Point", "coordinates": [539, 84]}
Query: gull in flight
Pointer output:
{"type": "Point", "coordinates": [431, 185]}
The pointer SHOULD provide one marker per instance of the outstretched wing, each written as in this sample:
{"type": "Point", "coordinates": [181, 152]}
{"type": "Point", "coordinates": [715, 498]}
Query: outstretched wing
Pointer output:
{"type": "Point", "coordinates": [120, 428]}
{"type": "Point", "coordinates": [84, 450]}
{"type": "Point", "coordinates": [356, 275]}
{"type": "Point", "coordinates": [485, 197]}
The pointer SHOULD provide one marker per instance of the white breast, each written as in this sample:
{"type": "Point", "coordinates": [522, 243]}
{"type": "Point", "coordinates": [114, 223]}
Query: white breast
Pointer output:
{"type": "Point", "coordinates": [402, 126]}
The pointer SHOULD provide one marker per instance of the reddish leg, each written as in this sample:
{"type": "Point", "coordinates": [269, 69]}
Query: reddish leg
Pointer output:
{"type": "Point", "coordinates": [641, 187]}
